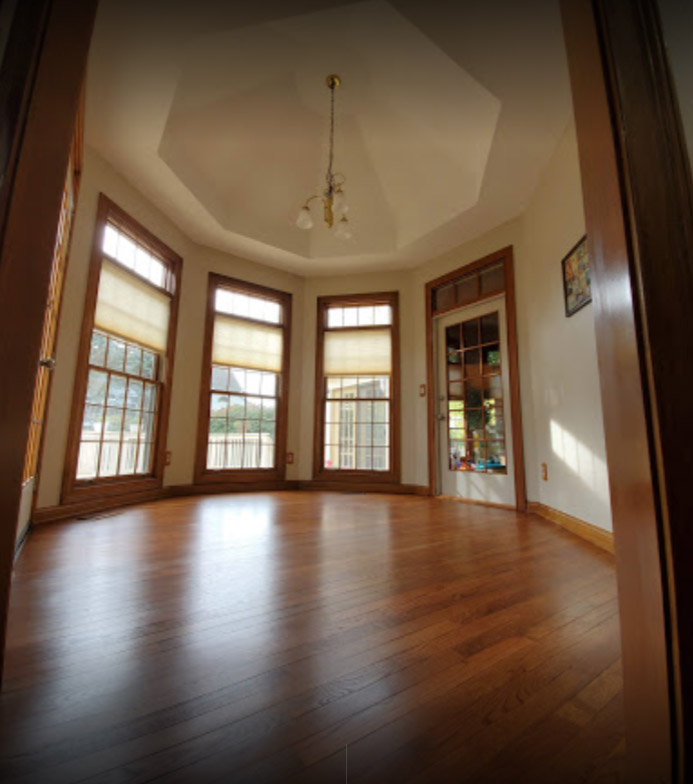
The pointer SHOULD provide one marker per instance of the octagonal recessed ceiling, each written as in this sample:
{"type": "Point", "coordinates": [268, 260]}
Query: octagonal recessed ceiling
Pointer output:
{"type": "Point", "coordinates": [218, 113]}
{"type": "Point", "coordinates": [248, 126]}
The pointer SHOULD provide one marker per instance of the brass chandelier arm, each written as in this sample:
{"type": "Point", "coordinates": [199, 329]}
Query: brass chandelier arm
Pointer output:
{"type": "Point", "coordinates": [309, 200]}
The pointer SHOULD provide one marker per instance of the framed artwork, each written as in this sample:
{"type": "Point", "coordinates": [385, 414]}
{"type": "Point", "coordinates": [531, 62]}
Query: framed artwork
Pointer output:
{"type": "Point", "coordinates": [576, 278]}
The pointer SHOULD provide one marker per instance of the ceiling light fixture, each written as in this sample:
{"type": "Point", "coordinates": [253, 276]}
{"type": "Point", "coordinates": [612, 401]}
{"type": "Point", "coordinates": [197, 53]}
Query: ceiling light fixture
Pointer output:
{"type": "Point", "coordinates": [333, 199]}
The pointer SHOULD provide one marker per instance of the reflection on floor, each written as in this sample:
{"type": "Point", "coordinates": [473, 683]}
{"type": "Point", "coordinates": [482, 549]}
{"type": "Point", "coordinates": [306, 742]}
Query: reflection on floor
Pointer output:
{"type": "Point", "coordinates": [311, 637]}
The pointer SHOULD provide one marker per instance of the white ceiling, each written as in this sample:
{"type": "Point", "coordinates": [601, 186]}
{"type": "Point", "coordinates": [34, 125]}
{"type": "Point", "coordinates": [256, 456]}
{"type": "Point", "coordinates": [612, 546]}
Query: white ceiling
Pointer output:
{"type": "Point", "coordinates": [219, 113]}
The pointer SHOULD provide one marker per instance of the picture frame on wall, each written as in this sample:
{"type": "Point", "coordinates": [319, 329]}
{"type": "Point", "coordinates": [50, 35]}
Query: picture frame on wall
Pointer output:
{"type": "Point", "coordinates": [576, 278]}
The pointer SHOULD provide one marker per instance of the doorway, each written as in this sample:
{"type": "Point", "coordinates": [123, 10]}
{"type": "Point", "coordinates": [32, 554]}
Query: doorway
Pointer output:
{"type": "Point", "coordinates": [474, 422]}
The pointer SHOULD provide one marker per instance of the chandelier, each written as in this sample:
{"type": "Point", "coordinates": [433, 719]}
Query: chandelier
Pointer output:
{"type": "Point", "coordinates": [333, 199]}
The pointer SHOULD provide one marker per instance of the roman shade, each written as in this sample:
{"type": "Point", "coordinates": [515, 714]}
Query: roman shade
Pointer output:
{"type": "Point", "coordinates": [350, 352]}
{"type": "Point", "coordinates": [132, 308]}
{"type": "Point", "coordinates": [243, 344]}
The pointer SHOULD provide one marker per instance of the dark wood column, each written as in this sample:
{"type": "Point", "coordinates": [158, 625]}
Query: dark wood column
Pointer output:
{"type": "Point", "coordinates": [50, 87]}
{"type": "Point", "coordinates": [639, 214]}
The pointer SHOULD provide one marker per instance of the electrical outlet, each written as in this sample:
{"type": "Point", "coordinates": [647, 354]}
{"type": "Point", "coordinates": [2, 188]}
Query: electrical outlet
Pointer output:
{"type": "Point", "coordinates": [289, 457]}
{"type": "Point", "coordinates": [422, 390]}
{"type": "Point", "coordinates": [544, 472]}
{"type": "Point", "coordinates": [167, 458]}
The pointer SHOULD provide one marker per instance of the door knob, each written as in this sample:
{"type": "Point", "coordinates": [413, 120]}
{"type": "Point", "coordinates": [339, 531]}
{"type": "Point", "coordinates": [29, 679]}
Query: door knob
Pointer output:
{"type": "Point", "coordinates": [47, 362]}
{"type": "Point", "coordinates": [441, 417]}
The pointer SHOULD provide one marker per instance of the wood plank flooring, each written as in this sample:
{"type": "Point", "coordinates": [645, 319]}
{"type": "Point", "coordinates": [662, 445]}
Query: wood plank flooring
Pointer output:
{"type": "Point", "coordinates": [311, 637]}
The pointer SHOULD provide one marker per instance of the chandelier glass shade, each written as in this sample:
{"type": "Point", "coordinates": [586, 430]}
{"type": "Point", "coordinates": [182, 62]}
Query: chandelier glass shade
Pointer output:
{"type": "Point", "coordinates": [334, 206]}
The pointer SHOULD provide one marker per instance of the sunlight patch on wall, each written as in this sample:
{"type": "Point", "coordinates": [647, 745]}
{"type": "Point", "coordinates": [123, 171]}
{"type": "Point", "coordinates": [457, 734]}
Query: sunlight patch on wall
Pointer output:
{"type": "Point", "coordinates": [580, 460]}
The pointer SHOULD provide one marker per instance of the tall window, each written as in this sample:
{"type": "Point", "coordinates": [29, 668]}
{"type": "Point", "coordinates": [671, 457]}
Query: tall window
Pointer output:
{"type": "Point", "coordinates": [245, 376]}
{"type": "Point", "coordinates": [358, 387]}
{"type": "Point", "coordinates": [126, 357]}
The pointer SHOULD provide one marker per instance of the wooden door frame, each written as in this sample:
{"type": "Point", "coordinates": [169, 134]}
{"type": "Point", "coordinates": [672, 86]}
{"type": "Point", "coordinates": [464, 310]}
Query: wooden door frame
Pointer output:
{"type": "Point", "coordinates": [638, 201]}
{"type": "Point", "coordinates": [504, 255]}
{"type": "Point", "coordinates": [41, 158]}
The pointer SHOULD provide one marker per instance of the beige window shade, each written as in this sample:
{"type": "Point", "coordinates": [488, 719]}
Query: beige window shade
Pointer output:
{"type": "Point", "coordinates": [239, 343]}
{"type": "Point", "coordinates": [357, 351]}
{"type": "Point", "coordinates": [131, 308]}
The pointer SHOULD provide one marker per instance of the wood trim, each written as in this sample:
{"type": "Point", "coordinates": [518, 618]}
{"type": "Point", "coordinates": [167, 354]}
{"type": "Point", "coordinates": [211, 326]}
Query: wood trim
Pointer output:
{"type": "Point", "coordinates": [257, 486]}
{"type": "Point", "coordinates": [39, 165]}
{"type": "Point", "coordinates": [591, 533]}
{"type": "Point", "coordinates": [634, 182]}
{"type": "Point", "coordinates": [362, 486]}
{"type": "Point", "coordinates": [86, 508]}
{"type": "Point", "coordinates": [355, 476]}
{"type": "Point", "coordinates": [233, 476]}
{"type": "Point", "coordinates": [73, 491]}
{"type": "Point", "coordinates": [506, 256]}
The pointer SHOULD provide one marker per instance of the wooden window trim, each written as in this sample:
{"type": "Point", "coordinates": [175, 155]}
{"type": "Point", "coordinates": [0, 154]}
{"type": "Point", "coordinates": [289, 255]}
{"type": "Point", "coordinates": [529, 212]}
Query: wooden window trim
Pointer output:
{"type": "Point", "coordinates": [504, 255]}
{"type": "Point", "coordinates": [75, 490]}
{"type": "Point", "coordinates": [350, 476]}
{"type": "Point", "coordinates": [232, 476]}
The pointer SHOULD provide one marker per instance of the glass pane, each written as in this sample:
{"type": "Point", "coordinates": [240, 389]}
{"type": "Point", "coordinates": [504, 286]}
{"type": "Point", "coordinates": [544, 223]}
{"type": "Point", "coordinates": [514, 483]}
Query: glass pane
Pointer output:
{"type": "Point", "coordinates": [237, 406]}
{"type": "Point", "coordinates": [234, 452]}
{"type": "Point", "coordinates": [381, 435]}
{"type": "Point", "coordinates": [365, 387]}
{"type": "Point", "coordinates": [96, 387]}
{"type": "Point", "coordinates": [220, 426]}
{"type": "Point", "coordinates": [269, 384]}
{"type": "Point", "coordinates": [108, 465]}
{"type": "Point", "coordinates": [331, 457]}
{"type": "Point", "coordinates": [92, 423]}
{"type": "Point", "coordinates": [253, 408]}
{"type": "Point", "coordinates": [366, 315]}
{"type": "Point", "coordinates": [455, 417]}
{"type": "Point", "coordinates": [144, 457]}
{"type": "Point", "coordinates": [381, 411]}
{"type": "Point", "coordinates": [475, 455]}
{"type": "Point", "coordinates": [223, 301]}
{"type": "Point", "coordinates": [251, 451]}
{"type": "Point", "coordinates": [116, 391]}
{"type": "Point", "coordinates": [471, 362]}
{"type": "Point", "coordinates": [454, 373]}
{"type": "Point", "coordinates": [116, 354]}
{"type": "Point", "coordinates": [269, 410]}
{"type": "Point", "coordinates": [382, 314]}
{"type": "Point", "coordinates": [135, 394]}
{"type": "Point", "coordinates": [110, 240]}
{"type": "Point", "coordinates": [363, 458]}
{"type": "Point", "coordinates": [445, 297]}
{"type": "Point", "coordinates": [364, 411]}
{"type": "Point", "coordinates": [88, 460]}
{"type": "Point", "coordinates": [253, 382]}
{"type": "Point", "coordinates": [349, 387]}
{"type": "Point", "coordinates": [457, 456]}
{"type": "Point", "coordinates": [216, 451]}
{"type": "Point", "coordinates": [456, 434]}
{"type": "Point", "coordinates": [453, 343]}
{"type": "Point", "coordinates": [268, 430]}
{"type": "Point", "coordinates": [490, 328]}
{"type": "Point", "coordinates": [351, 317]}
{"type": "Point", "coordinates": [466, 290]}
{"type": "Point", "coordinates": [97, 352]}
{"type": "Point", "coordinates": [382, 386]}
{"type": "Point", "coordinates": [149, 397]}
{"type": "Point", "coordinates": [131, 425]}
{"type": "Point", "coordinates": [267, 456]}
{"type": "Point", "coordinates": [148, 364]}
{"type": "Point", "coordinates": [133, 360]}
{"type": "Point", "coordinates": [335, 317]}
{"type": "Point", "coordinates": [220, 377]}
{"type": "Point", "coordinates": [493, 390]}
{"type": "Point", "coordinates": [240, 304]}
{"type": "Point", "coordinates": [219, 405]}
{"type": "Point", "coordinates": [492, 279]}
{"type": "Point", "coordinates": [381, 459]}
{"type": "Point", "coordinates": [495, 456]}
{"type": "Point", "coordinates": [113, 423]}
{"type": "Point", "coordinates": [455, 390]}
{"type": "Point", "coordinates": [491, 358]}
{"type": "Point", "coordinates": [125, 253]}
{"type": "Point", "coordinates": [475, 422]}
{"type": "Point", "coordinates": [128, 457]}
{"type": "Point", "coordinates": [334, 387]}
{"type": "Point", "coordinates": [470, 333]}
{"type": "Point", "coordinates": [147, 427]}
{"type": "Point", "coordinates": [364, 435]}
{"type": "Point", "coordinates": [157, 272]}
{"type": "Point", "coordinates": [142, 260]}
{"type": "Point", "coordinates": [495, 423]}
{"type": "Point", "coordinates": [236, 380]}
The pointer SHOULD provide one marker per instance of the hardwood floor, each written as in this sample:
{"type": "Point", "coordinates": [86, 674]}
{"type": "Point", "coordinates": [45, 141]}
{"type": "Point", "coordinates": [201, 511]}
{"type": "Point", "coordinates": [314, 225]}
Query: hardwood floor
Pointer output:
{"type": "Point", "coordinates": [312, 637]}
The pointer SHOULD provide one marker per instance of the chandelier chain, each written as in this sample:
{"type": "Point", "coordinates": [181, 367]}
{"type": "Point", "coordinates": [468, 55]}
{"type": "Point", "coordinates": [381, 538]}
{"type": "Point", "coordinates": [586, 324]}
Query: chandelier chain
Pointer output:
{"type": "Point", "coordinates": [331, 158]}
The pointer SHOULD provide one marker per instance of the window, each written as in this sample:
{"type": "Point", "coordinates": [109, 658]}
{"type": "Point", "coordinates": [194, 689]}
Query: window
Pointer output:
{"type": "Point", "coordinates": [125, 363]}
{"type": "Point", "coordinates": [245, 377]}
{"type": "Point", "coordinates": [358, 388]}
{"type": "Point", "coordinates": [476, 427]}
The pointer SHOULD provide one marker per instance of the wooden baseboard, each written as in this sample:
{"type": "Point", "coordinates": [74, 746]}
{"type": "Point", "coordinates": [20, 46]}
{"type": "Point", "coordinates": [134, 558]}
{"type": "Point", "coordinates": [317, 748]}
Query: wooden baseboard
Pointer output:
{"type": "Point", "coordinates": [53, 514]}
{"type": "Point", "coordinates": [232, 487]}
{"type": "Point", "coordinates": [592, 533]}
{"type": "Point", "coordinates": [362, 487]}
{"type": "Point", "coordinates": [475, 502]}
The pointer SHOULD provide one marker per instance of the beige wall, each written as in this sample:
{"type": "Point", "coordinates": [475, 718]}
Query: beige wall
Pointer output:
{"type": "Point", "coordinates": [559, 377]}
